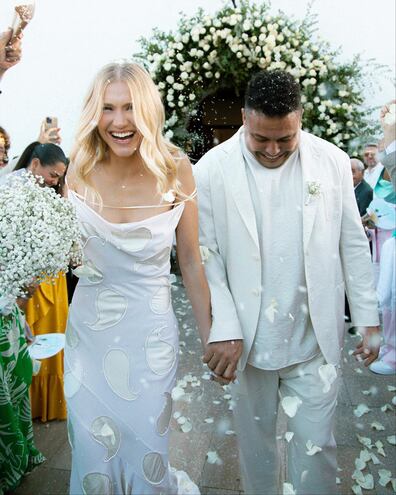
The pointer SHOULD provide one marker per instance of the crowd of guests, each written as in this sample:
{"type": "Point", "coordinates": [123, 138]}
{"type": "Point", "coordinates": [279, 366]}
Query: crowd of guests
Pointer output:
{"type": "Point", "coordinates": [46, 311]}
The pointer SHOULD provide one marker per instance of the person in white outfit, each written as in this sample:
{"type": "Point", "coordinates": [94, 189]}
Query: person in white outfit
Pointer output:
{"type": "Point", "coordinates": [132, 190]}
{"type": "Point", "coordinates": [284, 238]}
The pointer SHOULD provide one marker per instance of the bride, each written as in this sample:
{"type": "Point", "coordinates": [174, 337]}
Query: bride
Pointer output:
{"type": "Point", "coordinates": [132, 190]}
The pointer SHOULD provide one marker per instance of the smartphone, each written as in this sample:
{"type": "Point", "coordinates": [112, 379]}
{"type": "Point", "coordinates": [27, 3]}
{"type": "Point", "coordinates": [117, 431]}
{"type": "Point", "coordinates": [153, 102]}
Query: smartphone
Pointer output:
{"type": "Point", "coordinates": [51, 122]}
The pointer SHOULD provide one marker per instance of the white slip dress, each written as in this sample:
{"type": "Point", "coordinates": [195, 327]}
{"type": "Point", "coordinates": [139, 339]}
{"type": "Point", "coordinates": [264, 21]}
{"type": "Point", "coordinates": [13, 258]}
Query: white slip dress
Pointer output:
{"type": "Point", "coordinates": [121, 358]}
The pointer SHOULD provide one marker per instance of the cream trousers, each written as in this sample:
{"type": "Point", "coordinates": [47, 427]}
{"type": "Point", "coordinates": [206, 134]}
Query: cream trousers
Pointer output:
{"type": "Point", "coordinates": [257, 395]}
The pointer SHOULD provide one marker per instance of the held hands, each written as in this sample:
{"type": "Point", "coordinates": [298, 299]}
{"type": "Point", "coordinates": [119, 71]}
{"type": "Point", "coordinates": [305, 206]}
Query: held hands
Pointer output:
{"type": "Point", "coordinates": [222, 358]}
{"type": "Point", "coordinates": [368, 348]}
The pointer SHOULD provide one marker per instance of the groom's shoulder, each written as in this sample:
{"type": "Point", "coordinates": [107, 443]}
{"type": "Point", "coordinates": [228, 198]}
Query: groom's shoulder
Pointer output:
{"type": "Point", "coordinates": [325, 148]}
{"type": "Point", "coordinates": [219, 154]}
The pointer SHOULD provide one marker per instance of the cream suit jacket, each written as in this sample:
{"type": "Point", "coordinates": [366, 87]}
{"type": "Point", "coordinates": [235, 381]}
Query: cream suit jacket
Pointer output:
{"type": "Point", "coordinates": [336, 251]}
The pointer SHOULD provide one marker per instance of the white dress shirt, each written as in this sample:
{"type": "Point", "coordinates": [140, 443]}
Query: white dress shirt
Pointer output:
{"type": "Point", "coordinates": [371, 175]}
{"type": "Point", "coordinates": [284, 332]}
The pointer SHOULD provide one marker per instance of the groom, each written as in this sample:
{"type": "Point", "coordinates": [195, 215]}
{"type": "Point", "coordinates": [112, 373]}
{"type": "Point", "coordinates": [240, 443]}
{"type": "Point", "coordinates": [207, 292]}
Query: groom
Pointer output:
{"type": "Point", "coordinates": [279, 218]}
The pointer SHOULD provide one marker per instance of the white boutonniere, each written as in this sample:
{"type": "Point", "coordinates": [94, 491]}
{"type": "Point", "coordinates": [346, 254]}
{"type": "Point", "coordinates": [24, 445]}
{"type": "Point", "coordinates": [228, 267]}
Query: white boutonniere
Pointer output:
{"type": "Point", "coordinates": [169, 196]}
{"type": "Point", "coordinates": [314, 188]}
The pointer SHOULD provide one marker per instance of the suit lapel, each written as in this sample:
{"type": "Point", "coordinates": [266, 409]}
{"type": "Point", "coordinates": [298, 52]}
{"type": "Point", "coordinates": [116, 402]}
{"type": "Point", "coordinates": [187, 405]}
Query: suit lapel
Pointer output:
{"type": "Point", "coordinates": [235, 175]}
{"type": "Point", "coordinates": [309, 157]}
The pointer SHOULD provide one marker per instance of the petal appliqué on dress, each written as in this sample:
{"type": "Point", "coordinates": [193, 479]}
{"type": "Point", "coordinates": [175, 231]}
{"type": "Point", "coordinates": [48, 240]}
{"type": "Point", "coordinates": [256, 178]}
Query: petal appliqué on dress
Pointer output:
{"type": "Point", "coordinates": [153, 468]}
{"type": "Point", "coordinates": [132, 241]}
{"type": "Point", "coordinates": [116, 368]}
{"type": "Point", "coordinates": [106, 432]}
{"type": "Point", "coordinates": [97, 484]}
{"type": "Point", "coordinates": [165, 416]}
{"type": "Point", "coordinates": [160, 355]}
{"type": "Point", "coordinates": [161, 301]}
{"type": "Point", "coordinates": [111, 307]}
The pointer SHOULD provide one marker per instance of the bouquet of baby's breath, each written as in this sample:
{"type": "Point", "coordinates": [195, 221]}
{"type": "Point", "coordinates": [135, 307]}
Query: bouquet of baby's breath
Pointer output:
{"type": "Point", "coordinates": [39, 236]}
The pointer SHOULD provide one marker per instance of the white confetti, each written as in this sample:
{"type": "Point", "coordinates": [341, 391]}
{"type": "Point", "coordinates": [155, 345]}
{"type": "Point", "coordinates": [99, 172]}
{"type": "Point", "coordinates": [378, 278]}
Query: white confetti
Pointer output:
{"type": "Point", "coordinates": [328, 375]}
{"type": "Point", "coordinates": [288, 489]}
{"type": "Point", "coordinates": [391, 439]}
{"type": "Point", "coordinates": [213, 458]}
{"type": "Point", "coordinates": [360, 410]}
{"type": "Point", "coordinates": [289, 435]}
{"type": "Point", "coordinates": [312, 449]}
{"type": "Point", "coordinates": [290, 405]}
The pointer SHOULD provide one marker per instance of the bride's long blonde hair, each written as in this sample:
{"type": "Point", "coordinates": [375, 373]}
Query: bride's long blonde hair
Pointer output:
{"type": "Point", "coordinates": [159, 155]}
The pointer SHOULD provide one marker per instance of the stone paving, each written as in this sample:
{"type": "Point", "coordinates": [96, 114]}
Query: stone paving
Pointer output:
{"type": "Point", "coordinates": [206, 406]}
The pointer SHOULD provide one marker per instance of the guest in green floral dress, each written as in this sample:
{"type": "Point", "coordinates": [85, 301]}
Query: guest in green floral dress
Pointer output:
{"type": "Point", "coordinates": [18, 454]}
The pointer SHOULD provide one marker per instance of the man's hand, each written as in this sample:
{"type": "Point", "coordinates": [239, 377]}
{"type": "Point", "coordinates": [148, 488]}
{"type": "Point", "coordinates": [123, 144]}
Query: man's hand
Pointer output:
{"type": "Point", "coordinates": [10, 55]}
{"type": "Point", "coordinates": [222, 358]}
{"type": "Point", "coordinates": [389, 127]}
{"type": "Point", "coordinates": [367, 350]}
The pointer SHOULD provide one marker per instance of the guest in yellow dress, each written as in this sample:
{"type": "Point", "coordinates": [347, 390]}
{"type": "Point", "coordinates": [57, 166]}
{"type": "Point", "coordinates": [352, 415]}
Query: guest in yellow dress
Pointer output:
{"type": "Point", "coordinates": [46, 311]}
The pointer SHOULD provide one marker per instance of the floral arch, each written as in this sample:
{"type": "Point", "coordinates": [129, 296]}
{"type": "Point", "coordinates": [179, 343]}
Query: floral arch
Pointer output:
{"type": "Point", "coordinates": [208, 54]}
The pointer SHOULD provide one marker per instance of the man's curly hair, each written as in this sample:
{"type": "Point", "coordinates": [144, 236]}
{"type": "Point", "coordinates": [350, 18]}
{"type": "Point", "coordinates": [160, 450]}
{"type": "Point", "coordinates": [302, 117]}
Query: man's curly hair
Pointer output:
{"type": "Point", "coordinates": [275, 93]}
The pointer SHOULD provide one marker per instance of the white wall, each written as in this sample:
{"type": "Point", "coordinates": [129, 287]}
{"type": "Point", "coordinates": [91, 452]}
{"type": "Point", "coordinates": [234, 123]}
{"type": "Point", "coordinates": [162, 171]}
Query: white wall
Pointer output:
{"type": "Point", "coordinates": [70, 39]}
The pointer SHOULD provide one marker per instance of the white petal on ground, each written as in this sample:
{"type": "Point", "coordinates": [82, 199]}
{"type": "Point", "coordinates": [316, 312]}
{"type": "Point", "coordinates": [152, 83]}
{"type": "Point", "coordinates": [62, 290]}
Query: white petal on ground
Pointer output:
{"type": "Point", "coordinates": [359, 464]}
{"type": "Point", "coordinates": [365, 441]}
{"type": "Point", "coordinates": [374, 458]}
{"type": "Point", "coordinates": [177, 393]}
{"type": "Point", "coordinates": [209, 420]}
{"type": "Point", "coordinates": [186, 427]}
{"type": "Point", "coordinates": [271, 311]}
{"type": "Point", "coordinates": [371, 391]}
{"type": "Point", "coordinates": [391, 388]}
{"type": "Point", "coordinates": [338, 481]}
{"type": "Point", "coordinates": [394, 400]}
{"type": "Point", "coordinates": [386, 407]}
{"type": "Point", "coordinates": [289, 435]}
{"type": "Point", "coordinates": [377, 426]}
{"type": "Point", "coordinates": [391, 439]}
{"type": "Point", "coordinates": [357, 490]}
{"type": "Point", "coordinates": [360, 410]}
{"type": "Point", "coordinates": [288, 489]}
{"type": "Point", "coordinates": [367, 483]}
{"type": "Point", "coordinates": [213, 458]}
{"type": "Point", "coordinates": [385, 476]}
{"type": "Point", "coordinates": [290, 405]}
{"type": "Point", "coordinates": [328, 375]}
{"type": "Point", "coordinates": [365, 455]}
{"type": "Point", "coordinates": [380, 449]}
{"type": "Point", "coordinates": [312, 449]}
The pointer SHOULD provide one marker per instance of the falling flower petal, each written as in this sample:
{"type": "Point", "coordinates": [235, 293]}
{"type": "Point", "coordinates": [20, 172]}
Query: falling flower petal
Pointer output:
{"type": "Point", "coordinates": [391, 439]}
{"type": "Point", "coordinates": [290, 405]}
{"type": "Point", "coordinates": [328, 375]}
{"type": "Point", "coordinates": [312, 449]}
{"type": "Point", "coordinates": [271, 311]}
{"type": "Point", "coordinates": [288, 489]}
{"type": "Point", "coordinates": [289, 435]}
{"type": "Point", "coordinates": [377, 426]}
{"type": "Point", "coordinates": [360, 410]}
